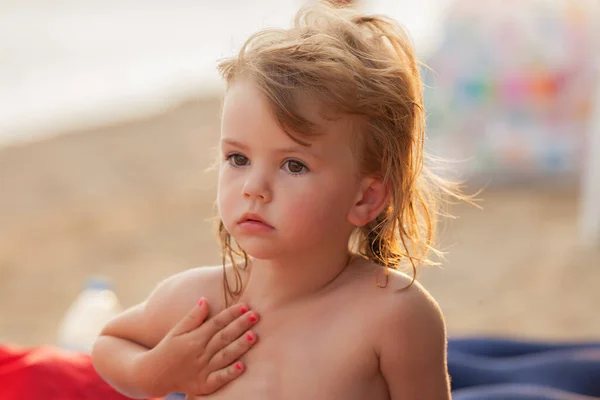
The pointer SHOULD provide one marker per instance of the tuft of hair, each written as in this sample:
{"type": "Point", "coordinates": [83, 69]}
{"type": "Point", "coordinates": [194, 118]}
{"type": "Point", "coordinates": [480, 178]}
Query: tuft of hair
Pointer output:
{"type": "Point", "coordinates": [362, 66]}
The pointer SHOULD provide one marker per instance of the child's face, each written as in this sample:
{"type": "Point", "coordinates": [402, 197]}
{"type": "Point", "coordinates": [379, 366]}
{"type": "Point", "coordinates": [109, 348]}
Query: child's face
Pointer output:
{"type": "Point", "coordinates": [303, 193]}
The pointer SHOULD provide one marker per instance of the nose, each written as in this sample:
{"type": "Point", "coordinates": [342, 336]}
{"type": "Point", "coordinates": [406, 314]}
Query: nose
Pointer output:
{"type": "Point", "coordinates": [257, 187]}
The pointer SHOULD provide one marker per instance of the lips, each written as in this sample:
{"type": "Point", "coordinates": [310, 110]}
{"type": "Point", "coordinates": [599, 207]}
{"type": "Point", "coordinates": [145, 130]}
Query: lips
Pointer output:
{"type": "Point", "coordinates": [250, 217]}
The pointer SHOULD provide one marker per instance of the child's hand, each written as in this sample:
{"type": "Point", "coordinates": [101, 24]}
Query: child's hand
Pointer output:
{"type": "Point", "coordinates": [198, 357]}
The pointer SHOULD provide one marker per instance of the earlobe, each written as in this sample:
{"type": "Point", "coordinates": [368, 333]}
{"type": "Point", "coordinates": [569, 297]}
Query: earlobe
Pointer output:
{"type": "Point", "coordinates": [372, 199]}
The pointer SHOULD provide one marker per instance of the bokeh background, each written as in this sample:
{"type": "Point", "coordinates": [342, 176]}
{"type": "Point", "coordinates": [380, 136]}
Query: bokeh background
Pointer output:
{"type": "Point", "coordinates": [109, 114]}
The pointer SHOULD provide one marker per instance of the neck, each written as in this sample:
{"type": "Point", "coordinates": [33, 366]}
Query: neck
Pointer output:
{"type": "Point", "coordinates": [277, 282]}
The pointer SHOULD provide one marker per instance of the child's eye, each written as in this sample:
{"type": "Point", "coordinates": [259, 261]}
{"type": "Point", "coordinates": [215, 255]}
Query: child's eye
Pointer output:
{"type": "Point", "coordinates": [237, 160]}
{"type": "Point", "coordinates": [295, 167]}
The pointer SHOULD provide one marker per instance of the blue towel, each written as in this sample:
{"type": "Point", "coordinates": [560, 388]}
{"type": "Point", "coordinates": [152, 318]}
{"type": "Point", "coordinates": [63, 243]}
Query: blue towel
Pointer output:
{"type": "Point", "coordinates": [494, 369]}
{"type": "Point", "coordinates": [505, 369]}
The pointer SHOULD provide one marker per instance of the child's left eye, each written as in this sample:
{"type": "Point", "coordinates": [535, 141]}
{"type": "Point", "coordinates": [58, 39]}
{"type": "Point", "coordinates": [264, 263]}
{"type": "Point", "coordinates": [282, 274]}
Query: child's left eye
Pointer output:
{"type": "Point", "coordinates": [295, 167]}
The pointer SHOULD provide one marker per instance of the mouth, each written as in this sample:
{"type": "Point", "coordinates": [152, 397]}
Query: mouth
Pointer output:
{"type": "Point", "coordinates": [253, 219]}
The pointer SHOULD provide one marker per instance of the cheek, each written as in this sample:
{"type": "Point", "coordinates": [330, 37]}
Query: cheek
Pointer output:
{"type": "Point", "coordinates": [318, 209]}
{"type": "Point", "coordinates": [225, 197]}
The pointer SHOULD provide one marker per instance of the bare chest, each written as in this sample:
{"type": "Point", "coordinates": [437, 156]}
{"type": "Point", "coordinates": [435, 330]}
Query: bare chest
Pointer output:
{"type": "Point", "coordinates": [309, 354]}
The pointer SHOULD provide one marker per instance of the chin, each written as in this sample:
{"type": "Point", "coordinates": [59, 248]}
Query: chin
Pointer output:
{"type": "Point", "coordinates": [257, 248]}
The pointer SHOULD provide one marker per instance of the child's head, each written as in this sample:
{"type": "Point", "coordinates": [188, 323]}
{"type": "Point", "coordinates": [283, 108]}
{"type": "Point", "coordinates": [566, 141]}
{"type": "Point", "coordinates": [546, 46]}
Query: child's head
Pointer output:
{"type": "Point", "coordinates": [344, 90]}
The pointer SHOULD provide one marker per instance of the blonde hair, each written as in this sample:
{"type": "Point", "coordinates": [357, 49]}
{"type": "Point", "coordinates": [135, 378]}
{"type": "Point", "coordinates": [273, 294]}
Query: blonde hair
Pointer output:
{"type": "Point", "coordinates": [362, 66]}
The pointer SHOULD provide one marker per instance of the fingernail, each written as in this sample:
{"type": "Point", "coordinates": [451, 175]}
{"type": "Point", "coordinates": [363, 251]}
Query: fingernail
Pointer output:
{"type": "Point", "coordinates": [249, 336]}
{"type": "Point", "coordinates": [201, 301]}
{"type": "Point", "coordinates": [244, 310]}
{"type": "Point", "coordinates": [239, 366]}
{"type": "Point", "coordinates": [252, 318]}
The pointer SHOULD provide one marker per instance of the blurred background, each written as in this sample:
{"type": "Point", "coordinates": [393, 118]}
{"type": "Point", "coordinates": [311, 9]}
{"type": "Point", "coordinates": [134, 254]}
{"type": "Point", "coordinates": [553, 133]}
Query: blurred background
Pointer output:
{"type": "Point", "coordinates": [109, 113]}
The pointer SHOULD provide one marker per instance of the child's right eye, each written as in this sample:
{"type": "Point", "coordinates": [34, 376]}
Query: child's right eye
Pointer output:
{"type": "Point", "coordinates": [237, 160]}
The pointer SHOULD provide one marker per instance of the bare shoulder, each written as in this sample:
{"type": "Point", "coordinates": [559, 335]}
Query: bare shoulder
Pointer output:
{"type": "Point", "coordinates": [411, 337]}
{"type": "Point", "coordinates": [408, 299]}
{"type": "Point", "coordinates": [148, 322]}
{"type": "Point", "coordinates": [176, 295]}
{"type": "Point", "coordinates": [398, 301]}
{"type": "Point", "coordinates": [394, 295]}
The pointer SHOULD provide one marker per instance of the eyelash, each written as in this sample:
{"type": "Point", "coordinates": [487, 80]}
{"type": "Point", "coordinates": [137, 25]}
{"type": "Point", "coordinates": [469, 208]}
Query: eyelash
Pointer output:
{"type": "Point", "coordinates": [229, 158]}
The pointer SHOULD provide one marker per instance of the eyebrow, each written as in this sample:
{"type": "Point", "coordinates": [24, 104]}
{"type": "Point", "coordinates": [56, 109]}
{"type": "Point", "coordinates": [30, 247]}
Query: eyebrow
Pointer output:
{"type": "Point", "coordinates": [292, 149]}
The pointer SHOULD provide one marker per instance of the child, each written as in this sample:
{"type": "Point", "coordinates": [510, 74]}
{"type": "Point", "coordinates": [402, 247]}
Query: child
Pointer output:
{"type": "Point", "coordinates": [323, 191]}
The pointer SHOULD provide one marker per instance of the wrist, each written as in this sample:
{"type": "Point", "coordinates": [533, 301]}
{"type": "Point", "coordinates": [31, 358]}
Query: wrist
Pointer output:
{"type": "Point", "coordinates": [148, 376]}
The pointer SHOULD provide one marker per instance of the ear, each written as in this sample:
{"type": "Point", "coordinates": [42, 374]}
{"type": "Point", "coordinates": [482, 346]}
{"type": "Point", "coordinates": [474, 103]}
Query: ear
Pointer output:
{"type": "Point", "coordinates": [372, 198]}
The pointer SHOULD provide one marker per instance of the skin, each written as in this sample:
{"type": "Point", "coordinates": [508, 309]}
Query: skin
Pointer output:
{"type": "Point", "coordinates": [326, 330]}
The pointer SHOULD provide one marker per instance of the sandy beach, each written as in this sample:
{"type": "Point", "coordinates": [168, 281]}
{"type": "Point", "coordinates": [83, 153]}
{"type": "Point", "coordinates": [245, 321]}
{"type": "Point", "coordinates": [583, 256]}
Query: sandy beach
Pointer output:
{"type": "Point", "coordinates": [132, 201]}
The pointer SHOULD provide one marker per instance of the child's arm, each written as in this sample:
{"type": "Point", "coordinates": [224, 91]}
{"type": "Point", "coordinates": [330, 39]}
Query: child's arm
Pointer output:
{"type": "Point", "coordinates": [165, 345]}
{"type": "Point", "coordinates": [412, 347]}
{"type": "Point", "coordinates": [116, 359]}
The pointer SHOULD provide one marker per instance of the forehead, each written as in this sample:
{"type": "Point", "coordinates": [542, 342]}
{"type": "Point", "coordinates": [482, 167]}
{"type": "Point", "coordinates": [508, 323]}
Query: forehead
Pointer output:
{"type": "Point", "coordinates": [248, 117]}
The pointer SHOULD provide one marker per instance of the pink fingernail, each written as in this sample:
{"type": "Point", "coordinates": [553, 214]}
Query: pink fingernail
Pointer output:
{"type": "Point", "coordinates": [201, 301]}
{"type": "Point", "coordinates": [244, 310]}
{"type": "Point", "coordinates": [249, 337]}
{"type": "Point", "coordinates": [252, 318]}
{"type": "Point", "coordinates": [239, 366]}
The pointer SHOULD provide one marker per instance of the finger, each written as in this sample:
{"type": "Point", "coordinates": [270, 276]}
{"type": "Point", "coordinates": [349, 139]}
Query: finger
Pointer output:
{"type": "Point", "coordinates": [231, 333]}
{"type": "Point", "coordinates": [233, 351]}
{"type": "Point", "coordinates": [222, 320]}
{"type": "Point", "coordinates": [193, 319]}
{"type": "Point", "coordinates": [222, 377]}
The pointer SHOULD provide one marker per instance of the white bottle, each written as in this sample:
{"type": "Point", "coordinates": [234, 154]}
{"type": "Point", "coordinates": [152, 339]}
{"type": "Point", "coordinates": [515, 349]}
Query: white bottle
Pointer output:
{"type": "Point", "coordinates": [89, 313]}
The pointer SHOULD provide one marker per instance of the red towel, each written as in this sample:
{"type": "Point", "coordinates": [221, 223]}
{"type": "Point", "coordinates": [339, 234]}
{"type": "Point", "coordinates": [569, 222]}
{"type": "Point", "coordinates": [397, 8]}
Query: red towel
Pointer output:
{"type": "Point", "coordinates": [46, 373]}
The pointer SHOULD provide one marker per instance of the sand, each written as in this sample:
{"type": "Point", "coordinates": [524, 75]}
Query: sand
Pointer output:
{"type": "Point", "coordinates": [132, 202]}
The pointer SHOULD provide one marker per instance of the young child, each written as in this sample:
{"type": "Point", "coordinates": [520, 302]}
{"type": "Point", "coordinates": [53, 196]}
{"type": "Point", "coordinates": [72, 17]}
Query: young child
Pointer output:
{"type": "Point", "coordinates": [322, 197]}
